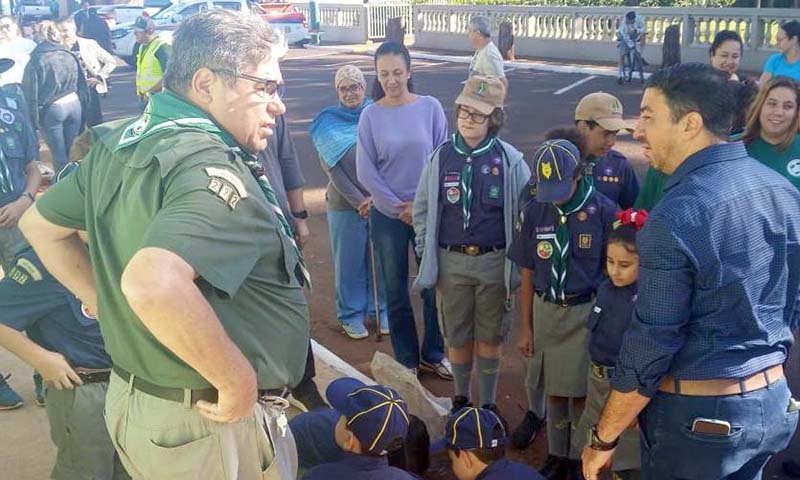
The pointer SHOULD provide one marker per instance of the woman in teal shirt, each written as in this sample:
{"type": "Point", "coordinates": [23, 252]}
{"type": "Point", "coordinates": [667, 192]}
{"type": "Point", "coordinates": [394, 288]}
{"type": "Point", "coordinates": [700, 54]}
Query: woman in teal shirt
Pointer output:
{"type": "Point", "coordinates": [771, 133]}
{"type": "Point", "coordinates": [787, 62]}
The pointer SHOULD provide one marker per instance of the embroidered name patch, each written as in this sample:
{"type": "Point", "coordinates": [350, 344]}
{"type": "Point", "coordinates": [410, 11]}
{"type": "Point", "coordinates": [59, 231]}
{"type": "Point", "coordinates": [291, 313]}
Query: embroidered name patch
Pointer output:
{"type": "Point", "coordinates": [226, 185]}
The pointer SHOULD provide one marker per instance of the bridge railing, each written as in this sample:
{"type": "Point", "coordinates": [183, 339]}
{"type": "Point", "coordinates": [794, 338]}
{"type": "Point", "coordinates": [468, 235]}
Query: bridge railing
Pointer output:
{"type": "Point", "coordinates": [575, 33]}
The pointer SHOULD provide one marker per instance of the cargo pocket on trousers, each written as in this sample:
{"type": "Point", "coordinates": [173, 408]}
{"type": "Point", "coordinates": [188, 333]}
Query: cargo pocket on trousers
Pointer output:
{"type": "Point", "coordinates": [199, 458]}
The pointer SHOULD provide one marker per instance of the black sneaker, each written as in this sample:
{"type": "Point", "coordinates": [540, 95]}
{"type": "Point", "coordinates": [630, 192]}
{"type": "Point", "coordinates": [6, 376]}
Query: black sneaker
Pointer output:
{"type": "Point", "coordinates": [554, 468]}
{"type": "Point", "coordinates": [524, 434]}
{"type": "Point", "coordinates": [493, 407]}
{"type": "Point", "coordinates": [459, 402]}
{"type": "Point", "coordinates": [575, 470]}
{"type": "Point", "coordinates": [791, 468]}
{"type": "Point", "coordinates": [305, 397]}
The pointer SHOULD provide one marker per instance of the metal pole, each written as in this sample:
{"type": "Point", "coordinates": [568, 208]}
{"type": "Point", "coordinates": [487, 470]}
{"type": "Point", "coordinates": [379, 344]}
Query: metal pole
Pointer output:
{"type": "Point", "coordinates": [375, 296]}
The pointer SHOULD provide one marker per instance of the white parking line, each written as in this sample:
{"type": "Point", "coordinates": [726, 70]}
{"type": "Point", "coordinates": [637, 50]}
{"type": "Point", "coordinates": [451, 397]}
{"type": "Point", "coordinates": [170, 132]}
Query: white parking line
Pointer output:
{"type": "Point", "coordinates": [309, 57]}
{"type": "Point", "coordinates": [571, 86]}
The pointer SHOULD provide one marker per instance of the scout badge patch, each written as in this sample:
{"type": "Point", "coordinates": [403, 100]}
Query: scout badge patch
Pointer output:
{"type": "Point", "coordinates": [226, 185]}
{"type": "Point", "coordinates": [585, 240]}
{"type": "Point", "coordinates": [453, 195]}
{"type": "Point", "coordinates": [544, 249]}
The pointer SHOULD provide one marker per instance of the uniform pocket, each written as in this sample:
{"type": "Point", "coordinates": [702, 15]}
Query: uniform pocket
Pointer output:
{"type": "Point", "coordinates": [492, 194]}
{"type": "Point", "coordinates": [199, 458]}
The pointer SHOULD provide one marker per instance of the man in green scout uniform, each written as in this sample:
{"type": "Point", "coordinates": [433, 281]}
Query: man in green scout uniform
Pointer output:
{"type": "Point", "coordinates": [19, 181]}
{"type": "Point", "coordinates": [197, 281]}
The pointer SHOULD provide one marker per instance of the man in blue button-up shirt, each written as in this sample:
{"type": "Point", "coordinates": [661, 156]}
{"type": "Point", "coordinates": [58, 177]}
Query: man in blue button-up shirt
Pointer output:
{"type": "Point", "coordinates": [719, 291]}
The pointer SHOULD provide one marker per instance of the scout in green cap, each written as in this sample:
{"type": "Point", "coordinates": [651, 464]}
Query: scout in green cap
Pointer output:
{"type": "Point", "coordinates": [197, 281]}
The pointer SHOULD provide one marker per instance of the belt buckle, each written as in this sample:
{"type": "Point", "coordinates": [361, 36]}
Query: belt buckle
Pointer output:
{"type": "Point", "coordinates": [472, 250]}
{"type": "Point", "coordinates": [597, 371]}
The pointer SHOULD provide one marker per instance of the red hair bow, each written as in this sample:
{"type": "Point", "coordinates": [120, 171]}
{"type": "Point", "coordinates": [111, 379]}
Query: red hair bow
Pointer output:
{"type": "Point", "coordinates": [632, 217]}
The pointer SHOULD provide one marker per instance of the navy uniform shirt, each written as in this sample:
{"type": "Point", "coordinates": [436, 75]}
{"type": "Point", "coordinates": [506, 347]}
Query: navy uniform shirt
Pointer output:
{"type": "Point", "coordinates": [719, 274]}
{"type": "Point", "coordinates": [18, 143]}
{"type": "Point", "coordinates": [486, 224]}
{"type": "Point", "coordinates": [614, 177]}
{"type": "Point", "coordinates": [534, 243]}
{"type": "Point", "coordinates": [32, 301]}
{"type": "Point", "coordinates": [314, 436]}
{"type": "Point", "coordinates": [358, 467]}
{"type": "Point", "coordinates": [609, 320]}
{"type": "Point", "coordinates": [506, 470]}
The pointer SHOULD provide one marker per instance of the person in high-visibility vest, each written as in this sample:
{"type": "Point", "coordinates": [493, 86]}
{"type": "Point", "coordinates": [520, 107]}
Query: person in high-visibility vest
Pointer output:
{"type": "Point", "coordinates": [151, 59]}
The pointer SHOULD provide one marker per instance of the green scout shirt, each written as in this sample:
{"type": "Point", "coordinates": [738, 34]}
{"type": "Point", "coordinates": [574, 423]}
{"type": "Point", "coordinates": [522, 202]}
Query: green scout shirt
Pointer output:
{"type": "Point", "coordinates": [652, 190]}
{"type": "Point", "coordinates": [179, 192]}
{"type": "Point", "coordinates": [787, 163]}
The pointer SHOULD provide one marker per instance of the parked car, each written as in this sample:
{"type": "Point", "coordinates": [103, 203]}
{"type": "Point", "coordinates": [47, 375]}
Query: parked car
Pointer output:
{"type": "Point", "coordinates": [34, 10]}
{"type": "Point", "coordinates": [116, 14]}
{"type": "Point", "coordinates": [166, 20]}
{"type": "Point", "coordinates": [285, 18]}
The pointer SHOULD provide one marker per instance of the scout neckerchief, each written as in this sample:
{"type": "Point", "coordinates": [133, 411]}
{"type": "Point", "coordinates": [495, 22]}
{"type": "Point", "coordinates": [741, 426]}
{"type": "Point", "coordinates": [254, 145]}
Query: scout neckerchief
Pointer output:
{"type": "Point", "coordinates": [6, 185]}
{"type": "Point", "coordinates": [560, 264]}
{"type": "Point", "coordinates": [462, 148]}
{"type": "Point", "coordinates": [166, 111]}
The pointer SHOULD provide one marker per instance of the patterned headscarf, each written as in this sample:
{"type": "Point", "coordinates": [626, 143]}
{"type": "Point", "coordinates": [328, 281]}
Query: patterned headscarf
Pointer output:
{"type": "Point", "coordinates": [352, 73]}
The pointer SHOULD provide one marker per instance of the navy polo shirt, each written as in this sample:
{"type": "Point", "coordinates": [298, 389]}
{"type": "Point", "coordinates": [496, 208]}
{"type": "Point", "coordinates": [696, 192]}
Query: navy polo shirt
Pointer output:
{"type": "Point", "coordinates": [614, 177]}
{"type": "Point", "coordinates": [486, 224]}
{"type": "Point", "coordinates": [534, 243]}
{"type": "Point", "coordinates": [610, 318]}
{"type": "Point", "coordinates": [17, 141]}
{"type": "Point", "coordinates": [358, 467]}
{"type": "Point", "coordinates": [314, 435]}
{"type": "Point", "coordinates": [504, 469]}
{"type": "Point", "coordinates": [32, 301]}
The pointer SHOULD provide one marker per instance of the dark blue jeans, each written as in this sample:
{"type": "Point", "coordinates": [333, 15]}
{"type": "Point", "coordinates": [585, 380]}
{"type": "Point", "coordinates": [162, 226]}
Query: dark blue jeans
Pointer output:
{"type": "Point", "coordinates": [392, 238]}
{"type": "Point", "coordinates": [761, 427]}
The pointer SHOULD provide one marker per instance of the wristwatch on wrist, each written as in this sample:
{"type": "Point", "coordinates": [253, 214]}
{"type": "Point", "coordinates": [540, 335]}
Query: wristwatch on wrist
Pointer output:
{"type": "Point", "coordinates": [300, 215]}
{"type": "Point", "coordinates": [29, 195]}
{"type": "Point", "coordinates": [596, 444]}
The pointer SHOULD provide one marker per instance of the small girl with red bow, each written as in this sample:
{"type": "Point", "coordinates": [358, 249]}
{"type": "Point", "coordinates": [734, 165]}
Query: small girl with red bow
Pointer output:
{"type": "Point", "coordinates": [607, 324]}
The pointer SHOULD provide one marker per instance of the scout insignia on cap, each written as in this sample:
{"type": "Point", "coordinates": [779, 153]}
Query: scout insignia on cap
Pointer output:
{"type": "Point", "coordinates": [226, 185]}
{"type": "Point", "coordinates": [453, 195]}
{"type": "Point", "coordinates": [481, 89]}
{"type": "Point", "coordinates": [582, 216]}
{"type": "Point", "coordinates": [544, 249]}
{"type": "Point", "coordinates": [585, 240]}
{"type": "Point", "coordinates": [616, 107]}
{"type": "Point", "coordinates": [6, 116]}
{"type": "Point", "coordinates": [547, 170]}
{"type": "Point", "coordinates": [23, 271]}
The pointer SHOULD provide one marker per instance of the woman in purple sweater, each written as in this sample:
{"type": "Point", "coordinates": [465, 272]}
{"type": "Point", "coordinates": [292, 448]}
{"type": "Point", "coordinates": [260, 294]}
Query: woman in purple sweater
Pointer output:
{"type": "Point", "coordinates": [395, 136]}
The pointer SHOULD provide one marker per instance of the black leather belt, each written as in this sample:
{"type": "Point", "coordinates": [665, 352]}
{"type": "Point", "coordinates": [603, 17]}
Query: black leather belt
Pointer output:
{"type": "Point", "coordinates": [472, 250]}
{"type": "Point", "coordinates": [95, 377]}
{"type": "Point", "coordinates": [569, 300]}
{"type": "Point", "coordinates": [167, 393]}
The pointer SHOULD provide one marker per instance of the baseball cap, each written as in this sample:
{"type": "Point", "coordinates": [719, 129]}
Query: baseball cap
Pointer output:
{"type": "Point", "coordinates": [376, 414]}
{"type": "Point", "coordinates": [5, 64]}
{"type": "Point", "coordinates": [484, 94]}
{"type": "Point", "coordinates": [555, 162]}
{"type": "Point", "coordinates": [144, 24]}
{"type": "Point", "coordinates": [605, 109]}
{"type": "Point", "coordinates": [471, 428]}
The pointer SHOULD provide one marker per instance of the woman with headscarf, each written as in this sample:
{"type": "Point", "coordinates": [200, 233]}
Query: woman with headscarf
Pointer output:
{"type": "Point", "coordinates": [334, 133]}
{"type": "Point", "coordinates": [55, 88]}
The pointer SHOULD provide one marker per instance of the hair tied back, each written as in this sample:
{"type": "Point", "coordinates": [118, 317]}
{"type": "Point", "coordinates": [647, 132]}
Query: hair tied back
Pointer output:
{"type": "Point", "coordinates": [637, 218]}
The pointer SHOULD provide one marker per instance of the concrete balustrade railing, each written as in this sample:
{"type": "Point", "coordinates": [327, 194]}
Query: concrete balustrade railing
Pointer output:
{"type": "Point", "coordinates": [570, 33]}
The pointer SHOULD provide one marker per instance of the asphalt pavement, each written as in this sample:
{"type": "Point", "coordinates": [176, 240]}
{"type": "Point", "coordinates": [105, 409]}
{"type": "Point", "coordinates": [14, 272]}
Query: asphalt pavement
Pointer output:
{"type": "Point", "coordinates": [537, 102]}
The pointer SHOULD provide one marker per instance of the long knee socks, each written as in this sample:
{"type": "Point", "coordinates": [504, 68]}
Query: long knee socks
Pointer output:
{"type": "Point", "coordinates": [488, 374]}
{"type": "Point", "coordinates": [462, 378]}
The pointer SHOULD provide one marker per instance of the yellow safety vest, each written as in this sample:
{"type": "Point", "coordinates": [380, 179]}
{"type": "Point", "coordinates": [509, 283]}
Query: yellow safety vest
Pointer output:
{"type": "Point", "coordinates": [148, 69]}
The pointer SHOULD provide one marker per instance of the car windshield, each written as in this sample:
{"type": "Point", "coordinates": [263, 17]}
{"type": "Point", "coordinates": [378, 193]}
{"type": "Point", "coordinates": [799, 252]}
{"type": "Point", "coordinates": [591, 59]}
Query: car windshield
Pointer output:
{"type": "Point", "coordinates": [169, 11]}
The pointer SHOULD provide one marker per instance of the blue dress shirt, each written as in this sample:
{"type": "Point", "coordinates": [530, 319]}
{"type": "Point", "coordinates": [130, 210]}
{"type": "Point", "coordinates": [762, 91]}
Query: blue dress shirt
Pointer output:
{"type": "Point", "coordinates": [719, 277]}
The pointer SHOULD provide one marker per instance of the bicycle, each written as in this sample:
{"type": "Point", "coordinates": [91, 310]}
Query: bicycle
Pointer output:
{"type": "Point", "coordinates": [632, 62]}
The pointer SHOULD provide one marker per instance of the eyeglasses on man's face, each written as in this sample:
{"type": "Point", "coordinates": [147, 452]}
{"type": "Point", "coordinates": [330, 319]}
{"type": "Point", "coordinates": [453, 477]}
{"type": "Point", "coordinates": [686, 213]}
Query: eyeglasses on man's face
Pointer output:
{"type": "Point", "coordinates": [270, 89]}
{"type": "Point", "coordinates": [345, 89]}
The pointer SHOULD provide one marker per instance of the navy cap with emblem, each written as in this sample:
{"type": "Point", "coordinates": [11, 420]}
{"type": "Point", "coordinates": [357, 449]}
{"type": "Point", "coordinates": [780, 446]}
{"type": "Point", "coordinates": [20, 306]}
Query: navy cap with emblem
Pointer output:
{"type": "Point", "coordinates": [555, 162]}
{"type": "Point", "coordinates": [6, 64]}
{"type": "Point", "coordinates": [471, 428]}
